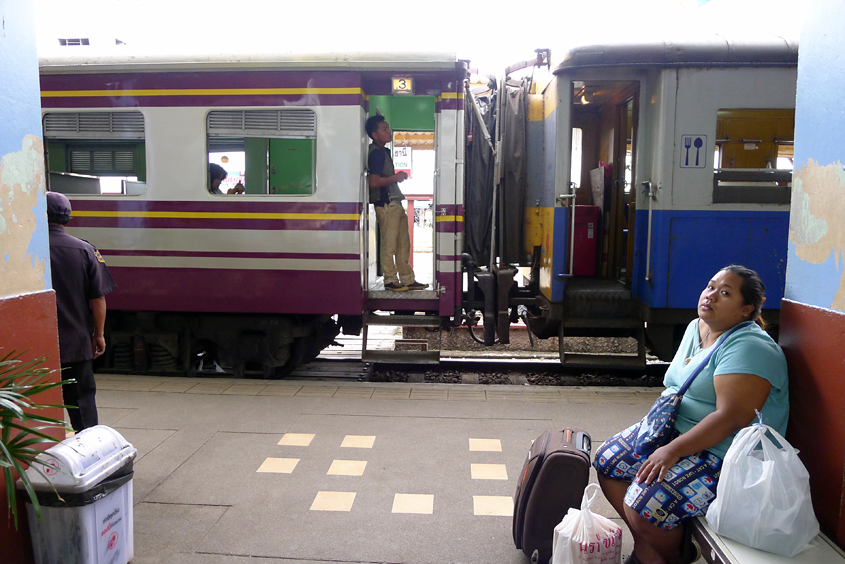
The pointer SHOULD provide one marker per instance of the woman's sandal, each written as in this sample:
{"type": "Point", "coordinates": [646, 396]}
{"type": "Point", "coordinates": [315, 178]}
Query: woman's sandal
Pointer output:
{"type": "Point", "coordinates": [690, 551]}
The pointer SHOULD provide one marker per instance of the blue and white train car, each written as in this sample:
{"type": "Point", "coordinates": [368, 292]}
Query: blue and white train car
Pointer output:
{"type": "Point", "coordinates": [673, 159]}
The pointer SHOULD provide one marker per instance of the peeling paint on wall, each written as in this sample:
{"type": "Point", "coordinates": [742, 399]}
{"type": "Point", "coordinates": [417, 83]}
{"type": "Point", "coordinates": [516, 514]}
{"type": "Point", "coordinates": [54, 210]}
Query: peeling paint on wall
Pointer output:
{"type": "Point", "coordinates": [817, 218]}
{"type": "Point", "coordinates": [24, 264]}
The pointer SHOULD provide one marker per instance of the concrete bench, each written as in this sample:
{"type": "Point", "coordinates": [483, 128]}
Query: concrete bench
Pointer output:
{"type": "Point", "coordinates": [716, 549]}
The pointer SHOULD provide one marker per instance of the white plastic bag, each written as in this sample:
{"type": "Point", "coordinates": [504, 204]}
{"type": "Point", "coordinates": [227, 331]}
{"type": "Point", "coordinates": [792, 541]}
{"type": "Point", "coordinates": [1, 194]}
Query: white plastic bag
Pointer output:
{"type": "Point", "coordinates": [763, 496]}
{"type": "Point", "coordinates": [586, 538]}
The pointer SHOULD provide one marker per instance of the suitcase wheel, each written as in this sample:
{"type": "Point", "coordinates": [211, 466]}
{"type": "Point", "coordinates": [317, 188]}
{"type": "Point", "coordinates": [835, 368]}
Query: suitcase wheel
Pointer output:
{"type": "Point", "coordinates": [535, 557]}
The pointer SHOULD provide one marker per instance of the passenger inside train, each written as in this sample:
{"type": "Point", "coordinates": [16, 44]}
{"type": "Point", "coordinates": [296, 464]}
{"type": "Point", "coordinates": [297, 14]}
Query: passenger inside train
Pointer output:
{"type": "Point", "coordinates": [741, 370]}
{"type": "Point", "coordinates": [386, 198]}
{"type": "Point", "coordinates": [216, 175]}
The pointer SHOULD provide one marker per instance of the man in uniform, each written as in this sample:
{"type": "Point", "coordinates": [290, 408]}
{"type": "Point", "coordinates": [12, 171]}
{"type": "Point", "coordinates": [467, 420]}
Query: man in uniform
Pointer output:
{"type": "Point", "coordinates": [81, 281]}
{"type": "Point", "coordinates": [386, 198]}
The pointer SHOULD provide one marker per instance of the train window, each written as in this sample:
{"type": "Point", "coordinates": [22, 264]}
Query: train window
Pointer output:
{"type": "Point", "coordinates": [96, 152]}
{"type": "Point", "coordinates": [753, 157]}
{"type": "Point", "coordinates": [272, 152]}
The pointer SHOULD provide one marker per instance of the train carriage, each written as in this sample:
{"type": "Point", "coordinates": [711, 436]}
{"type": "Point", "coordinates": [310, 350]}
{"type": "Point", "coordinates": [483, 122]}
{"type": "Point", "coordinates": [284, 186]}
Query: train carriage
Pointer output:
{"type": "Point", "coordinates": [614, 181]}
{"type": "Point", "coordinates": [645, 167]}
{"type": "Point", "coordinates": [263, 279]}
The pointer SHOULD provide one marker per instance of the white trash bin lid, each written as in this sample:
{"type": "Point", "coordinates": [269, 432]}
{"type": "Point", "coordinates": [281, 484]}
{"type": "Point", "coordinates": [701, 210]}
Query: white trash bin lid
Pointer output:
{"type": "Point", "coordinates": [81, 461]}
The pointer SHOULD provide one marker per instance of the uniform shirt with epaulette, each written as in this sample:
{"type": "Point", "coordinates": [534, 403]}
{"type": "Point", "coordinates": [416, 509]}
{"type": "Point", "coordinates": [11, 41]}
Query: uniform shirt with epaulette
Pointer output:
{"type": "Point", "coordinates": [79, 275]}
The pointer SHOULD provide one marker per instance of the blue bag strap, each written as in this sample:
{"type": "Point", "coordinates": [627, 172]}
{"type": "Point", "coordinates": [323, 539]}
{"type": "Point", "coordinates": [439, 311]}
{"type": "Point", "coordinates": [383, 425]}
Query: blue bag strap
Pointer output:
{"type": "Point", "coordinates": [703, 363]}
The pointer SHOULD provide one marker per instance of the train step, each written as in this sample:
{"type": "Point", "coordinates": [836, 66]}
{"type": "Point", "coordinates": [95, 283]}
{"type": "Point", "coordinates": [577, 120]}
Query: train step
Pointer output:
{"type": "Point", "coordinates": [403, 320]}
{"type": "Point", "coordinates": [413, 353]}
{"type": "Point", "coordinates": [404, 357]}
{"type": "Point", "coordinates": [604, 360]}
{"type": "Point", "coordinates": [604, 322]}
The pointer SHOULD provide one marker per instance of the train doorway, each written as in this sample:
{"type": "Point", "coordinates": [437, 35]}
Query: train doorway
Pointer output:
{"type": "Point", "coordinates": [412, 121]}
{"type": "Point", "coordinates": [604, 133]}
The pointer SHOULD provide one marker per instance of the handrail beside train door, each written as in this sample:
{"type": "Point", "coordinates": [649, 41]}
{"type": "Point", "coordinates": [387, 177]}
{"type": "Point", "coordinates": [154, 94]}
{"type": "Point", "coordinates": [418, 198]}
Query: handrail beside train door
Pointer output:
{"type": "Point", "coordinates": [560, 199]}
{"type": "Point", "coordinates": [650, 190]}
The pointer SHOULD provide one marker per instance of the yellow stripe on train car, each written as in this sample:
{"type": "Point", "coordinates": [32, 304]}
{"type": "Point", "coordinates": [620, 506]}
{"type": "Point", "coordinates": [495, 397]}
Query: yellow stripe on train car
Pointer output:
{"type": "Point", "coordinates": [449, 218]}
{"type": "Point", "coordinates": [217, 215]}
{"type": "Point", "coordinates": [197, 92]}
{"type": "Point", "coordinates": [536, 107]}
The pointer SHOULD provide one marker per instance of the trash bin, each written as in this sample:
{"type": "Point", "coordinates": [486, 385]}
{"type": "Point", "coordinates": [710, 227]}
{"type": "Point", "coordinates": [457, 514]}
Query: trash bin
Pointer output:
{"type": "Point", "coordinates": [86, 500]}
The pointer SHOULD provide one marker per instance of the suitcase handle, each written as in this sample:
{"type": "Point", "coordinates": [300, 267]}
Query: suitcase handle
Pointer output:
{"type": "Point", "coordinates": [583, 443]}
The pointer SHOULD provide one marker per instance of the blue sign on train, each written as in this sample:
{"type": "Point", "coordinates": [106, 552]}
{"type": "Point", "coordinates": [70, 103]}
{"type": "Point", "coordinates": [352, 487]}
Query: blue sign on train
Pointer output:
{"type": "Point", "coordinates": [693, 151]}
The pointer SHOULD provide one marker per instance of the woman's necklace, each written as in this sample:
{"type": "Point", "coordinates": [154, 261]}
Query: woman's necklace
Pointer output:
{"type": "Point", "coordinates": [698, 347]}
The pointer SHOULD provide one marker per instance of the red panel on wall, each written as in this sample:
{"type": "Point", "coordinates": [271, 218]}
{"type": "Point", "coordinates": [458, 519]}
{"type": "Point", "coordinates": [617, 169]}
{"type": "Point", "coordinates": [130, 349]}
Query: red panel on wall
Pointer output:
{"type": "Point", "coordinates": [28, 323]}
{"type": "Point", "coordinates": [812, 339]}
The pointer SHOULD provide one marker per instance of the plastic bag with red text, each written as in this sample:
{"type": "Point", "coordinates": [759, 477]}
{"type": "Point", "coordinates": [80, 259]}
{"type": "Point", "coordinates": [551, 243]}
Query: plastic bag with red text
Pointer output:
{"type": "Point", "coordinates": [586, 538]}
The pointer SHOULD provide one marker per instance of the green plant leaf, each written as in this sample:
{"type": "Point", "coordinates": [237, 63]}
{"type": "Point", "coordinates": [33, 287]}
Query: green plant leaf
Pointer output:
{"type": "Point", "coordinates": [20, 381]}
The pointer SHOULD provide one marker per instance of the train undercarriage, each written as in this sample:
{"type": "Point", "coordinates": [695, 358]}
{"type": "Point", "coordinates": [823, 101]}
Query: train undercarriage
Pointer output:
{"type": "Point", "coordinates": [269, 345]}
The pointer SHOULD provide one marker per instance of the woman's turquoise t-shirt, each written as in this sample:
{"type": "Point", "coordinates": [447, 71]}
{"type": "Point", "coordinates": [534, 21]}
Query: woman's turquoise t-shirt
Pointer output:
{"type": "Point", "coordinates": [748, 350]}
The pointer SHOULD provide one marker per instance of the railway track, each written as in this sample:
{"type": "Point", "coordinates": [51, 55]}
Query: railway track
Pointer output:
{"type": "Point", "coordinates": [464, 370]}
{"type": "Point", "coordinates": [473, 370]}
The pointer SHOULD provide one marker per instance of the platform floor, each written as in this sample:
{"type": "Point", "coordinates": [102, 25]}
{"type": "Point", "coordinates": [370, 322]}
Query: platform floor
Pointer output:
{"type": "Point", "coordinates": [251, 472]}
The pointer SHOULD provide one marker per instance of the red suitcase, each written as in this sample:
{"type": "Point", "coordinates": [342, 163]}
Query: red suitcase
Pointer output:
{"type": "Point", "coordinates": [553, 479]}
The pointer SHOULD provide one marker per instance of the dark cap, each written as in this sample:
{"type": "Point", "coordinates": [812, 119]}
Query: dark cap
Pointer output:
{"type": "Point", "coordinates": [58, 207]}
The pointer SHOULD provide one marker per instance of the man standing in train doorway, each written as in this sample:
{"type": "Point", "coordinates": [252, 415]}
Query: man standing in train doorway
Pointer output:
{"type": "Point", "coordinates": [386, 197]}
{"type": "Point", "coordinates": [81, 281]}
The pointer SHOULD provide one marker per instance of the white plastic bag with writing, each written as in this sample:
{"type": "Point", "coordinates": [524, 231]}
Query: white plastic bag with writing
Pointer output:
{"type": "Point", "coordinates": [763, 496]}
{"type": "Point", "coordinates": [586, 538]}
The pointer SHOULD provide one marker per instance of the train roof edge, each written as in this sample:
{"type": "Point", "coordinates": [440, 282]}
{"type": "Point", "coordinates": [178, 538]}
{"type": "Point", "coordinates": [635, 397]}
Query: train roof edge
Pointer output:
{"type": "Point", "coordinates": [113, 60]}
{"type": "Point", "coordinates": [687, 50]}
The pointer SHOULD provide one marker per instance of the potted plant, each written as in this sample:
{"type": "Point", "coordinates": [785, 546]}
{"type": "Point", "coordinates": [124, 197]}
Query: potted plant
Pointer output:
{"type": "Point", "coordinates": [22, 428]}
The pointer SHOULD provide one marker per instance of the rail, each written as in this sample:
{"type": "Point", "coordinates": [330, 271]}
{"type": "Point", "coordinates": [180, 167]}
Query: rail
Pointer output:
{"type": "Point", "coordinates": [651, 194]}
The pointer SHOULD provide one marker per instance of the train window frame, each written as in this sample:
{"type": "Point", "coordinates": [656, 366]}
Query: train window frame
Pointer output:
{"type": "Point", "coordinates": [96, 153]}
{"type": "Point", "coordinates": [767, 130]}
{"type": "Point", "coordinates": [260, 133]}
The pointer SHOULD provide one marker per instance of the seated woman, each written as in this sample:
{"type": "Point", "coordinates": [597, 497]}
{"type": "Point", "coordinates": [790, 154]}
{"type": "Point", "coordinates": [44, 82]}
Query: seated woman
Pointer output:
{"type": "Point", "coordinates": [678, 481]}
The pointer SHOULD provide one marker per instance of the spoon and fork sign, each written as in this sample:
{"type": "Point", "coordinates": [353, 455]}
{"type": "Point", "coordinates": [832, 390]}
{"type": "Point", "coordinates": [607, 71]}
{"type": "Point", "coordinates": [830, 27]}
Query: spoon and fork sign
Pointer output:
{"type": "Point", "coordinates": [688, 143]}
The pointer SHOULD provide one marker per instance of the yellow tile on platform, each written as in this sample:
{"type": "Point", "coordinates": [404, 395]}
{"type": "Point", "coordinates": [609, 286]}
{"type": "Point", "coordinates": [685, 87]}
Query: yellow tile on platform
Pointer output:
{"type": "Point", "coordinates": [278, 465]}
{"type": "Point", "coordinates": [413, 503]}
{"type": "Point", "coordinates": [333, 501]}
{"type": "Point", "coordinates": [485, 445]}
{"type": "Point", "coordinates": [358, 441]}
{"type": "Point", "coordinates": [489, 472]}
{"type": "Point", "coordinates": [495, 505]}
{"type": "Point", "coordinates": [347, 468]}
{"type": "Point", "coordinates": [296, 439]}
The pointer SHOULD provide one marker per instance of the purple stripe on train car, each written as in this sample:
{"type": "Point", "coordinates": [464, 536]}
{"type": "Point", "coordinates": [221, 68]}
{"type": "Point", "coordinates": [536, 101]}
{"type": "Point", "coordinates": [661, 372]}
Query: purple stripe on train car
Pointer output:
{"type": "Point", "coordinates": [449, 258]}
{"type": "Point", "coordinates": [211, 79]}
{"type": "Point", "coordinates": [236, 291]}
{"type": "Point", "coordinates": [221, 205]}
{"type": "Point", "coordinates": [450, 209]}
{"type": "Point", "coordinates": [448, 298]}
{"type": "Point", "coordinates": [451, 104]}
{"type": "Point", "coordinates": [217, 254]}
{"type": "Point", "coordinates": [213, 223]}
{"type": "Point", "coordinates": [293, 100]}
{"type": "Point", "coordinates": [449, 227]}
{"type": "Point", "coordinates": [379, 84]}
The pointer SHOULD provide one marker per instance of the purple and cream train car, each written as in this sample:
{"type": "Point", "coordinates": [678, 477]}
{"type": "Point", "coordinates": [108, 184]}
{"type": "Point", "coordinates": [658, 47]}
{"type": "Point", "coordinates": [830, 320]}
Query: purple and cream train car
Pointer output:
{"type": "Point", "coordinates": [266, 278]}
